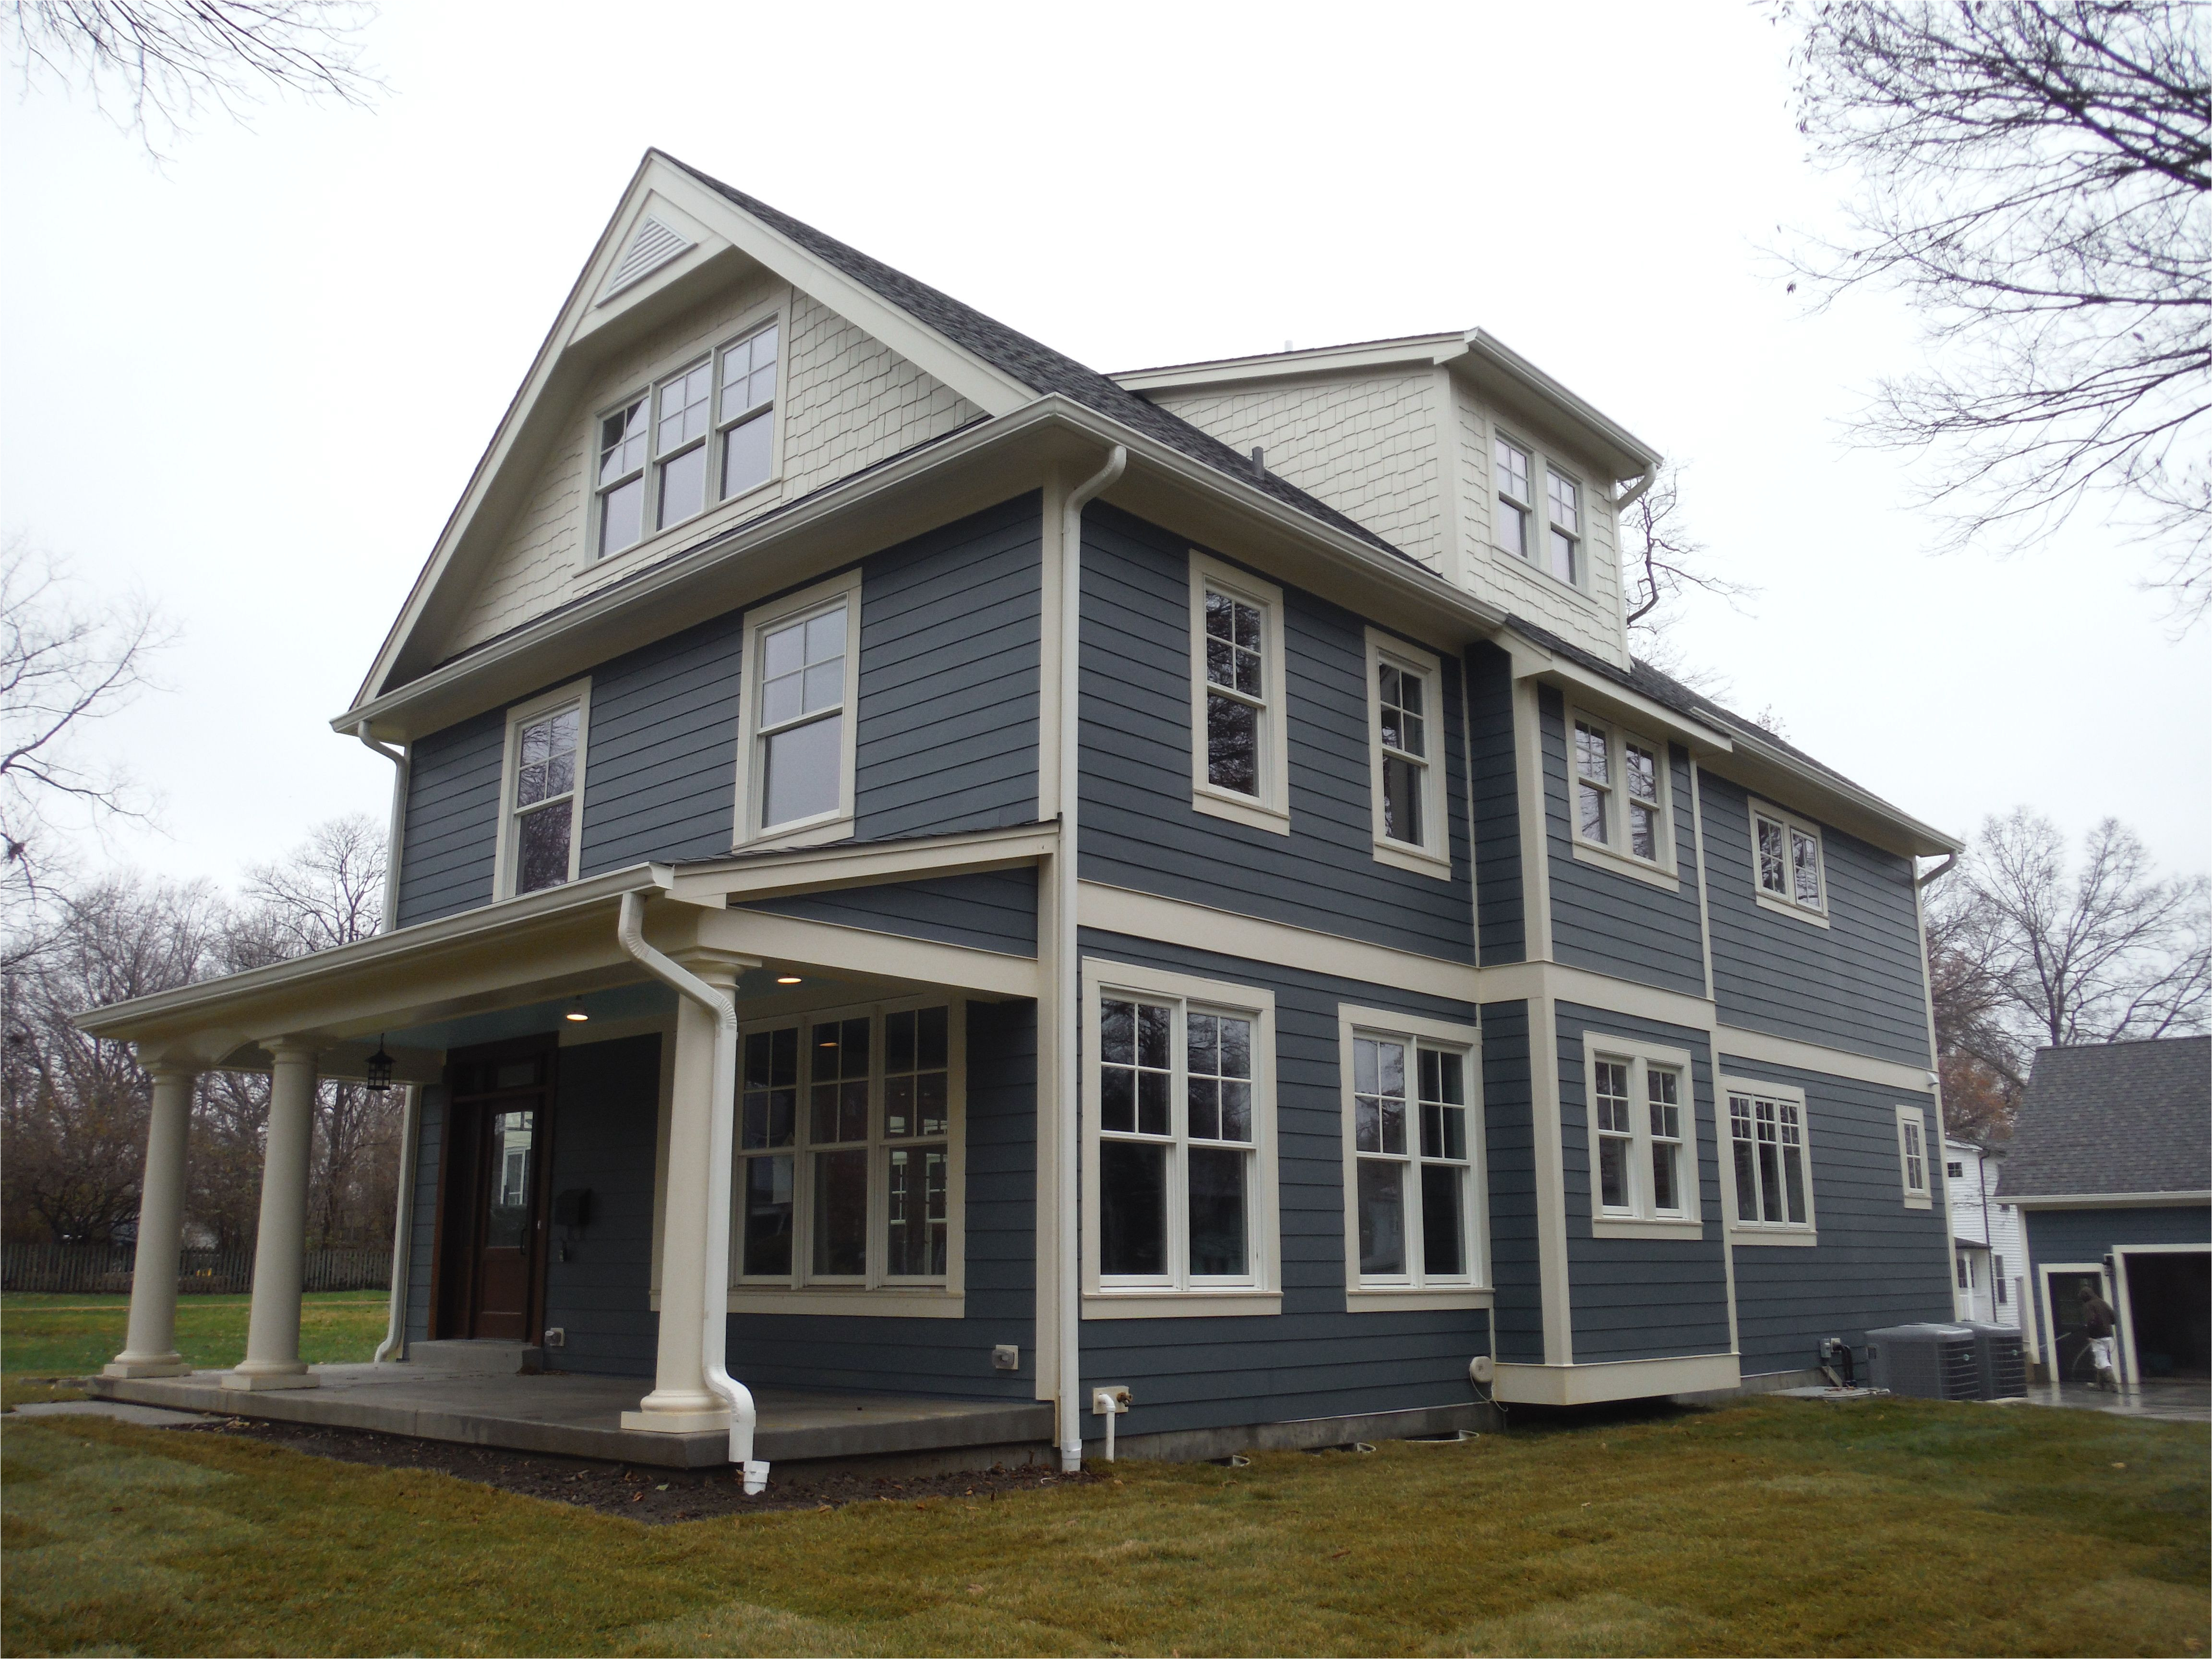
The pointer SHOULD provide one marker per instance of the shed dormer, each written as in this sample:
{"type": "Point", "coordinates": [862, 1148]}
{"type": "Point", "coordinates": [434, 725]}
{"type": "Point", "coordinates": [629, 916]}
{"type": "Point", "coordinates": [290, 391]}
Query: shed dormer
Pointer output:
{"type": "Point", "coordinates": [1452, 446]}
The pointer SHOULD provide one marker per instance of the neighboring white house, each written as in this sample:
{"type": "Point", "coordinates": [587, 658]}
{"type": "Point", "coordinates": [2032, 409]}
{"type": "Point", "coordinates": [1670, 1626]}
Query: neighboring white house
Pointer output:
{"type": "Point", "coordinates": [1987, 1259]}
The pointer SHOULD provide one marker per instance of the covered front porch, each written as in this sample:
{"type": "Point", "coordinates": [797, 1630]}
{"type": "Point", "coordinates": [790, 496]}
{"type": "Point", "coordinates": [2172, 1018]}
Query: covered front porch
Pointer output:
{"type": "Point", "coordinates": [616, 1000]}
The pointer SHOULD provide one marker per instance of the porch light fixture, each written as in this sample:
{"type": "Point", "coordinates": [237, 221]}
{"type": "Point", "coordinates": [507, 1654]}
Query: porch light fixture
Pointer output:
{"type": "Point", "coordinates": [786, 979]}
{"type": "Point", "coordinates": [379, 1068]}
{"type": "Point", "coordinates": [576, 1014]}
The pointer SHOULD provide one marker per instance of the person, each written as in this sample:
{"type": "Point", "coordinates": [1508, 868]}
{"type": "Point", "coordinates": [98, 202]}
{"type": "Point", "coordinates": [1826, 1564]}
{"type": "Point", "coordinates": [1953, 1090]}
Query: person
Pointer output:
{"type": "Point", "coordinates": [2098, 1324]}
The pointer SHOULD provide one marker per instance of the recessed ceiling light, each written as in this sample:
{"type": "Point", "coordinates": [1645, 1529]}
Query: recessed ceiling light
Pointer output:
{"type": "Point", "coordinates": [786, 979]}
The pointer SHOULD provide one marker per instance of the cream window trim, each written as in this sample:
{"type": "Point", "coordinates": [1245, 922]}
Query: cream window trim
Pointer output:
{"type": "Point", "coordinates": [1792, 826]}
{"type": "Point", "coordinates": [1269, 809]}
{"type": "Point", "coordinates": [1911, 1150]}
{"type": "Point", "coordinates": [1620, 789]}
{"type": "Point", "coordinates": [836, 823]}
{"type": "Point", "coordinates": [1641, 1215]}
{"type": "Point", "coordinates": [802, 1290]}
{"type": "Point", "coordinates": [1178, 1293]}
{"type": "Point", "coordinates": [1542, 468]}
{"type": "Point", "coordinates": [1431, 854]}
{"type": "Point", "coordinates": [1761, 1233]}
{"type": "Point", "coordinates": [1414, 1288]}
{"type": "Point", "coordinates": [595, 567]}
{"type": "Point", "coordinates": [506, 856]}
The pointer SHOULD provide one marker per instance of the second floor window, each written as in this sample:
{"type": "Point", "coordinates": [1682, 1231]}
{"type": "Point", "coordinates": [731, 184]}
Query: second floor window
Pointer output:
{"type": "Point", "coordinates": [801, 680]}
{"type": "Point", "coordinates": [539, 836]}
{"type": "Point", "coordinates": [1620, 791]}
{"type": "Point", "coordinates": [1236, 692]}
{"type": "Point", "coordinates": [1239, 755]}
{"type": "Point", "coordinates": [1787, 857]}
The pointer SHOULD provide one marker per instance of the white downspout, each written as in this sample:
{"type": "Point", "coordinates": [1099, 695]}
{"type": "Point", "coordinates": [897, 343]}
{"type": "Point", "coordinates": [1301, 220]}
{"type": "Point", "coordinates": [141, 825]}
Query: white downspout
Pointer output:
{"type": "Point", "coordinates": [394, 1345]}
{"type": "Point", "coordinates": [1067, 985]}
{"type": "Point", "coordinates": [720, 1147]}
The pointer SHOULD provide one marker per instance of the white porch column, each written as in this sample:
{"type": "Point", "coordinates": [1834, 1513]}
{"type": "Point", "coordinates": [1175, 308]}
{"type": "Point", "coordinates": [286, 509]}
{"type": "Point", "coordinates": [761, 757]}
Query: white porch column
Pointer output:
{"type": "Point", "coordinates": [272, 1336]}
{"type": "Point", "coordinates": [150, 1349]}
{"type": "Point", "coordinates": [680, 1402]}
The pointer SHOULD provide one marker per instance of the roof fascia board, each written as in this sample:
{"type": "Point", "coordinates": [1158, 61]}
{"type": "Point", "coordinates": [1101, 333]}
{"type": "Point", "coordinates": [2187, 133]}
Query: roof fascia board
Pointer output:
{"type": "Point", "coordinates": [2102, 1201]}
{"type": "Point", "coordinates": [1487, 355]}
{"type": "Point", "coordinates": [123, 1021]}
{"type": "Point", "coordinates": [1617, 699]}
{"type": "Point", "coordinates": [986, 387]}
{"type": "Point", "coordinates": [1420, 350]}
{"type": "Point", "coordinates": [820, 869]}
{"type": "Point", "coordinates": [1788, 782]}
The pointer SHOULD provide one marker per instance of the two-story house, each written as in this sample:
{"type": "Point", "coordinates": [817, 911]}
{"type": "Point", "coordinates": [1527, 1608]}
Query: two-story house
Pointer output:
{"type": "Point", "coordinates": [920, 865]}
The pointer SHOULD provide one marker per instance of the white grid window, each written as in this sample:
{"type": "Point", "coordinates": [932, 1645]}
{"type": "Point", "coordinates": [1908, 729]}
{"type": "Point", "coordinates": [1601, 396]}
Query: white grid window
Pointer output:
{"type": "Point", "coordinates": [1236, 692]}
{"type": "Point", "coordinates": [1912, 1157]}
{"type": "Point", "coordinates": [679, 444]}
{"type": "Point", "coordinates": [802, 718]}
{"type": "Point", "coordinates": [746, 420]}
{"type": "Point", "coordinates": [1639, 770]}
{"type": "Point", "coordinates": [1643, 1165]}
{"type": "Point", "coordinates": [1565, 541]}
{"type": "Point", "coordinates": [1516, 506]}
{"type": "Point", "coordinates": [1767, 1140]}
{"type": "Point", "coordinates": [1412, 1160]}
{"type": "Point", "coordinates": [624, 439]}
{"type": "Point", "coordinates": [1594, 783]}
{"type": "Point", "coordinates": [1787, 854]}
{"type": "Point", "coordinates": [844, 1146]}
{"type": "Point", "coordinates": [1620, 782]}
{"type": "Point", "coordinates": [1240, 756]}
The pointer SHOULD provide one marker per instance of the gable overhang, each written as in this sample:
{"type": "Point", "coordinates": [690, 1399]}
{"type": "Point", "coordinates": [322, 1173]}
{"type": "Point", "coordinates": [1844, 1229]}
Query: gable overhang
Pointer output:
{"type": "Point", "coordinates": [1780, 776]}
{"type": "Point", "coordinates": [726, 243]}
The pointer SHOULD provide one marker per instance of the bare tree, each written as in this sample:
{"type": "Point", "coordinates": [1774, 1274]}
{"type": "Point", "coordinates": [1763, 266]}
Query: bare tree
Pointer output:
{"type": "Point", "coordinates": [1664, 565]}
{"type": "Point", "coordinates": [2107, 952]}
{"type": "Point", "coordinates": [2034, 176]}
{"type": "Point", "coordinates": [155, 66]}
{"type": "Point", "coordinates": [327, 891]}
{"type": "Point", "coordinates": [64, 666]}
{"type": "Point", "coordinates": [1978, 1056]}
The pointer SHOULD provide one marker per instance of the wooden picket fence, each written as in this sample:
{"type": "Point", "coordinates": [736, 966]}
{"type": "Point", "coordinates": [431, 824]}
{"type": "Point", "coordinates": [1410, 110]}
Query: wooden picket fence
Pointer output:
{"type": "Point", "coordinates": [105, 1269]}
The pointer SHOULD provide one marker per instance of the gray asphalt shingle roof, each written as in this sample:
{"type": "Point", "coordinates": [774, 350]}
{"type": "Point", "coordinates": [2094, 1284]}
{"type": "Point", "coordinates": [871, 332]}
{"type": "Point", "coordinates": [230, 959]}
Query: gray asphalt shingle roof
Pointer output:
{"type": "Point", "coordinates": [2114, 1118]}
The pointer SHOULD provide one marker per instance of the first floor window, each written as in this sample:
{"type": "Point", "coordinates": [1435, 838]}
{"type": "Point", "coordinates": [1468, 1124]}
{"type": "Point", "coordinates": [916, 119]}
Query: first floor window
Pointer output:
{"type": "Point", "coordinates": [1912, 1154]}
{"type": "Point", "coordinates": [546, 770]}
{"type": "Point", "coordinates": [1767, 1137]}
{"type": "Point", "coordinates": [1643, 1165]}
{"type": "Point", "coordinates": [844, 1143]}
{"type": "Point", "coordinates": [1411, 1161]}
{"type": "Point", "coordinates": [1787, 855]}
{"type": "Point", "coordinates": [1997, 1278]}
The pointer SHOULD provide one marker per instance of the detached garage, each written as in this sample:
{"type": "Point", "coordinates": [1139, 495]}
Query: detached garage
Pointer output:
{"type": "Point", "coordinates": [2111, 1168]}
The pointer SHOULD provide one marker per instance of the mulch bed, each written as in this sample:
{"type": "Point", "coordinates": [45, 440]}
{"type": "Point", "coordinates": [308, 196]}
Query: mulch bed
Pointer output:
{"type": "Point", "coordinates": [641, 1491]}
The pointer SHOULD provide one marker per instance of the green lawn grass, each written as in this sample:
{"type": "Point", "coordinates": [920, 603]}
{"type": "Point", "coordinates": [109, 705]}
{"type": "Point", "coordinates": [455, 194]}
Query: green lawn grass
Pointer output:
{"type": "Point", "coordinates": [1779, 1527]}
{"type": "Point", "coordinates": [68, 1335]}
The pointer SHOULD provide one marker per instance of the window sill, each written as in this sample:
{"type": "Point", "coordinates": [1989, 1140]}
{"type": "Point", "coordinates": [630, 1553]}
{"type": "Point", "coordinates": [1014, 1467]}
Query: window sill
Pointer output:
{"type": "Point", "coordinates": [1384, 1299]}
{"type": "Point", "coordinates": [1180, 1304]}
{"type": "Point", "coordinates": [1240, 809]}
{"type": "Point", "coordinates": [1629, 1226]}
{"type": "Point", "coordinates": [1399, 856]}
{"type": "Point", "coordinates": [1623, 864]}
{"type": "Point", "coordinates": [916, 1304]}
{"type": "Point", "coordinates": [1911, 1202]}
{"type": "Point", "coordinates": [1795, 912]}
{"type": "Point", "coordinates": [819, 833]}
{"type": "Point", "coordinates": [595, 571]}
{"type": "Point", "coordinates": [1800, 1237]}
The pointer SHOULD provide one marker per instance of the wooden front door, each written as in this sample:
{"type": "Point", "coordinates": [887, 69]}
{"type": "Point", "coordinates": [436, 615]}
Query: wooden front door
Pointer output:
{"type": "Point", "coordinates": [493, 1235]}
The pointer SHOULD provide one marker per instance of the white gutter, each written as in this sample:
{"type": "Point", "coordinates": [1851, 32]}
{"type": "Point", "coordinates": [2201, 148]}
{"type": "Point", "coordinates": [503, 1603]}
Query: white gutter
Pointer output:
{"type": "Point", "coordinates": [1067, 985]}
{"type": "Point", "coordinates": [394, 1345]}
{"type": "Point", "coordinates": [721, 1113]}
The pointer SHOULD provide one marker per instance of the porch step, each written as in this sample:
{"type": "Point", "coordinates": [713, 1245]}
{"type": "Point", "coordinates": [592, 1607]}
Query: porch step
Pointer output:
{"type": "Point", "coordinates": [474, 1356]}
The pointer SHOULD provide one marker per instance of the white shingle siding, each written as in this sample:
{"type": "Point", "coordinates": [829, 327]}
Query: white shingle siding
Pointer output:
{"type": "Point", "coordinates": [1592, 618]}
{"type": "Point", "coordinates": [1367, 447]}
{"type": "Point", "coordinates": [848, 402]}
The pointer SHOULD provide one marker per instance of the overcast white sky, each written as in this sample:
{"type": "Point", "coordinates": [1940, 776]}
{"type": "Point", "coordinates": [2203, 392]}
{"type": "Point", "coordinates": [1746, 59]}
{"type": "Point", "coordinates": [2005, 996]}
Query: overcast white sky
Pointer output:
{"type": "Point", "coordinates": [253, 385]}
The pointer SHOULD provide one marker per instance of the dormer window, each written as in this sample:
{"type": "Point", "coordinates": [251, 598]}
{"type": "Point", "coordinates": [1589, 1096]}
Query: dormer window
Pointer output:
{"type": "Point", "coordinates": [1514, 504]}
{"type": "Point", "coordinates": [621, 477]}
{"type": "Point", "coordinates": [1566, 533]}
{"type": "Point", "coordinates": [680, 446]}
{"type": "Point", "coordinates": [747, 420]}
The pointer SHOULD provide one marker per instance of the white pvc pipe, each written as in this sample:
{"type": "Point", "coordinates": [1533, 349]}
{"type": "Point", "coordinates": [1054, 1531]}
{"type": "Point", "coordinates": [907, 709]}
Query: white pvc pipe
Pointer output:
{"type": "Point", "coordinates": [721, 1136]}
{"type": "Point", "coordinates": [1065, 985]}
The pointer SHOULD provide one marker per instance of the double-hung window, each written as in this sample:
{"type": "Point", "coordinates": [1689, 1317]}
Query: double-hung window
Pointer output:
{"type": "Point", "coordinates": [801, 669]}
{"type": "Point", "coordinates": [1405, 738]}
{"type": "Point", "coordinates": [1240, 748]}
{"type": "Point", "coordinates": [1644, 1151]}
{"type": "Point", "coordinates": [1413, 1155]}
{"type": "Point", "coordinates": [701, 435]}
{"type": "Point", "coordinates": [1553, 543]}
{"type": "Point", "coordinates": [846, 1139]}
{"type": "Point", "coordinates": [1769, 1163]}
{"type": "Point", "coordinates": [1515, 506]}
{"type": "Point", "coordinates": [1786, 863]}
{"type": "Point", "coordinates": [1912, 1158]}
{"type": "Point", "coordinates": [1179, 1160]}
{"type": "Point", "coordinates": [1620, 795]}
{"type": "Point", "coordinates": [543, 791]}
{"type": "Point", "coordinates": [1564, 543]}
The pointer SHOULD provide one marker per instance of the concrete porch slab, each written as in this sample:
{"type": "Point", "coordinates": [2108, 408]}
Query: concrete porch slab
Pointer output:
{"type": "Point", "coordinates": [574, 1416]}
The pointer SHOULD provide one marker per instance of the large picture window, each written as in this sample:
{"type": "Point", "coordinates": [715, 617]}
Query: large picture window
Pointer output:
{"type": "Point", "coordinates": [846, 1128]}
{"type": "Point", "coordinates": [1412, 1158]}
{"type": "Point", "coordinates": [542, 792]}
{"type": "Point", "coordinates": [1770, 1162]}
{"type": "Point", "coordinates": [1179, 1108]}
{"type": "Point", "coordinates": [1239, 749]}
{"type": "Point", "coordinates": [1643, 1139]}
{"type": "Point", "coordinates": [801, 684]}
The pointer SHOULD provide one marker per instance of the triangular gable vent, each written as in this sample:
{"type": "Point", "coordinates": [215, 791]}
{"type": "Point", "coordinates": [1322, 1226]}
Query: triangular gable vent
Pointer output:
{"type": "Point", "coordinates": [652, 246]}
